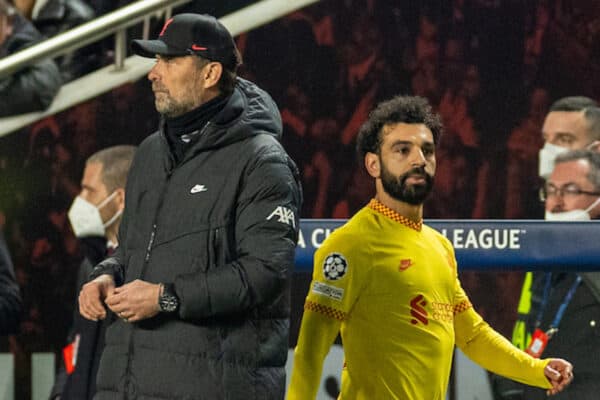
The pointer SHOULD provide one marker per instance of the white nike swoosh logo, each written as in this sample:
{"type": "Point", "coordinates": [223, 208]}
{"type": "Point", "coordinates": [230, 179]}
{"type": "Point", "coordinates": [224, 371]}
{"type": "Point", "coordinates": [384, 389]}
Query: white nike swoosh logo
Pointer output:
{"type": "Point", "coordinates": [198, 189]}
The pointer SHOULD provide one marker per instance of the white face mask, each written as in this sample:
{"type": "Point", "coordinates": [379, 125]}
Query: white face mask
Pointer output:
{"type": "Point", "coordinates": [573, 215]}
{"type": "Point", "coordinates": [86, 220]}
{"type": "Point", "coordinates": [547, 156]}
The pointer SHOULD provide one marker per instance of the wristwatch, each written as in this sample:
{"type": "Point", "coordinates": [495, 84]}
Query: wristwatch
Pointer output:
{"type": "Point", "coordinates": [167, 299]}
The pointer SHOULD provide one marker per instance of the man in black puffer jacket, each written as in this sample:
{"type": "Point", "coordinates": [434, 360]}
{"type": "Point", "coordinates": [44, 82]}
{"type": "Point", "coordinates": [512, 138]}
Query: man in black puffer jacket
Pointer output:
{"type": "Point", "coordinates": [201, 278]}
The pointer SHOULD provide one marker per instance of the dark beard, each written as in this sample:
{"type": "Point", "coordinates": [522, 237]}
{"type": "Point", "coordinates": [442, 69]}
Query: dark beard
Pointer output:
{"type": "Point", "coordinates": [397, 188]}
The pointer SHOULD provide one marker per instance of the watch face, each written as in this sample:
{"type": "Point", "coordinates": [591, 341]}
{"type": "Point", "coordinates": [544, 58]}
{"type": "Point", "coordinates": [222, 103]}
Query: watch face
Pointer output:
{"type": "Point", "coordinates": [168, 303]}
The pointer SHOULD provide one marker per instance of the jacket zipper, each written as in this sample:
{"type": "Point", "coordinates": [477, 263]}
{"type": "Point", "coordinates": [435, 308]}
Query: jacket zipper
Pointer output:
{"type": "Point", "coordinates": [149, 247]}
{"type": "Point", "coordinates": [142, 273]}
{"type": "Point", "coordinates": [148, 254]}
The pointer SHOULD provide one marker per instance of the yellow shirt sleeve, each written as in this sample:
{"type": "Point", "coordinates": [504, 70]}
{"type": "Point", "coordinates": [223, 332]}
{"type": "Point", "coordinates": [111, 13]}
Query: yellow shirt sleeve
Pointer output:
{"type": "Point", "coordinates": [489, 349]}
{"type": "Point", "coordinates": [338, 278]}
{"type": "Point", "coordinates": [317, 333]}
{"type": "Point", "coordinates": [495, 353]}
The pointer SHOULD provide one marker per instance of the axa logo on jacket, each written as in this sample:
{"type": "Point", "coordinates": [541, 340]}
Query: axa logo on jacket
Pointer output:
{"type": "Point", "coordinates": [285, 215]}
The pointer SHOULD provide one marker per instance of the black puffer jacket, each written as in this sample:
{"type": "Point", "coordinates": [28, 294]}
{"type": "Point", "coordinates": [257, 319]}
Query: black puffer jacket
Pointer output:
{"type": "Point", "coordinates": [32, 88]}
{"type": "Point", "coordinates": [58, 16]}
{"type": "Point", "coordinates": [221, 226]}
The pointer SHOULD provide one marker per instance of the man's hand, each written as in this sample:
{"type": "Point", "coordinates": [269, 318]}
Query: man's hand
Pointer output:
{"type": "Point", "coordinates": [560, 373]}
{"type": "Point", "coordinates": [135, 301]}
{"type": "Point", "coordinates": [92, 295]}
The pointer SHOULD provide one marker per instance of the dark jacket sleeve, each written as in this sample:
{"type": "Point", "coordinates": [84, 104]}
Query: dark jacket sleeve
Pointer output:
{"type": "Point", "coordinates": [265, 241]}
{"type": "Point", "coordinates": [34, 87]}
{"type": "Point", "coordinates": [31, 89]}
{"type": "Point", "coordinates": [10, 297]}
{"type": "Point", "coordinates": [113, 265]}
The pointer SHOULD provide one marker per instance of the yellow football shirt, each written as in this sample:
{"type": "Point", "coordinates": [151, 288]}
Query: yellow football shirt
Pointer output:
{"type": "Point", "coordinates": [390, 287]}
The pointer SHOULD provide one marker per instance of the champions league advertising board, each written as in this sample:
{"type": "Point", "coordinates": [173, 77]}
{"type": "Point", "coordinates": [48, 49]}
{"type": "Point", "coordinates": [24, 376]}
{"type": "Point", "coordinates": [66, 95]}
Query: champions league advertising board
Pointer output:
{"type": "Point", "coordinates": [491, 244]}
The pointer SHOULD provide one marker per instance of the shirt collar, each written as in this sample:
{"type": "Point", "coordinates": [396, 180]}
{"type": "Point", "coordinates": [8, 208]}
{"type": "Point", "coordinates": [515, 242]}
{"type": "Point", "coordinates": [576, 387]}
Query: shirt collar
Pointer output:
{"type": "Point", "coordinates": [378, 206]}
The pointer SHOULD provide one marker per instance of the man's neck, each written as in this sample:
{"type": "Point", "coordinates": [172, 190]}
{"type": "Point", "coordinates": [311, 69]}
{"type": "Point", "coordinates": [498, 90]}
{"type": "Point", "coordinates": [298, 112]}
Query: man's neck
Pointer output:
{"type": "Point", "coordinates": [410, 211]}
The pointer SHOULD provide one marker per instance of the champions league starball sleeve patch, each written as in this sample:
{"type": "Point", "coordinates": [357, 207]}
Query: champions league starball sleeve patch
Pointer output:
{"type": "Point", "coordinates": [335, 266]}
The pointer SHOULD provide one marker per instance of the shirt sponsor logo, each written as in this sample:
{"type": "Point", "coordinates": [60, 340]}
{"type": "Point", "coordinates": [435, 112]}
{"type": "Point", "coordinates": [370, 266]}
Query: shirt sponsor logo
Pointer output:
{"type": "Point", "coordinates": [442, 312]}
{"type": "Point", "coordinates": [285, 215]}
{"type": "Point", "coordinates": [326, 290]}
{"type": "Point", "coordinates": [335, 266]}
{"type": "Point", "coordinates": [418, 311]}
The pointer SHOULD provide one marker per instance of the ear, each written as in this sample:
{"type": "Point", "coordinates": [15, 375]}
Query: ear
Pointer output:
{"type": "Point", "coordinates": [120, 198]}
{"type": "Point", "coordinates": [595, 146]}
{"type": "Point", "coordinates": [372, 164]}
{"type": "Point", "coordinates": [212, 74]}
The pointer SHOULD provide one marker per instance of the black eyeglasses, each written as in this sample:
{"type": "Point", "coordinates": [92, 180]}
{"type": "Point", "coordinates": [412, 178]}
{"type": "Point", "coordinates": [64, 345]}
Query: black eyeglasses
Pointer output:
{"type": "Point", "coordinates": [571, 190]}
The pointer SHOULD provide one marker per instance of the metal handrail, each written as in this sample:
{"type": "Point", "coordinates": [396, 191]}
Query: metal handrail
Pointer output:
{"type": "Point", "coordinates": [99, 28]}
{"type": "Point", "coordinates": [131, 68]}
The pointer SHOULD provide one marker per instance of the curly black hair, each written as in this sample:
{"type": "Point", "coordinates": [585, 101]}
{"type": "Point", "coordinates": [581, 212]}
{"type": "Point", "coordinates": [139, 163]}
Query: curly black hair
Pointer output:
{"type": "Point", "coordinates": [407, 109]}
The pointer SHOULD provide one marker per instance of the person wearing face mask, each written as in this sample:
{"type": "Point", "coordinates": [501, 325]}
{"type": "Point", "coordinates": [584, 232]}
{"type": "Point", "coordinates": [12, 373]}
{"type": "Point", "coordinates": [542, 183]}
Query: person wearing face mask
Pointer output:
{"type": "Point", "coordinates": [573, 123]}
{"type": "Point", "coordinates": [95, 216]}
{"type": "Point", "coordinates": [571, 193]}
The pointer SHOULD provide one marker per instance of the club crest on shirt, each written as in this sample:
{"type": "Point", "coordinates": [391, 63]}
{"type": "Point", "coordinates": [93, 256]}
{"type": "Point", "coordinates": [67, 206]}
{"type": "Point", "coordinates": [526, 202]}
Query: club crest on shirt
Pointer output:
{"type": "Point", "coordinates": [335, 266]}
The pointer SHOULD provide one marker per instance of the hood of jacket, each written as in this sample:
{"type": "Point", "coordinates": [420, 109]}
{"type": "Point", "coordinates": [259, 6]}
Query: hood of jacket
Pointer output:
{"type": "Point", "coordinates": [56, 16]}
{"type": "Point", "coordinates": [250, 111]}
